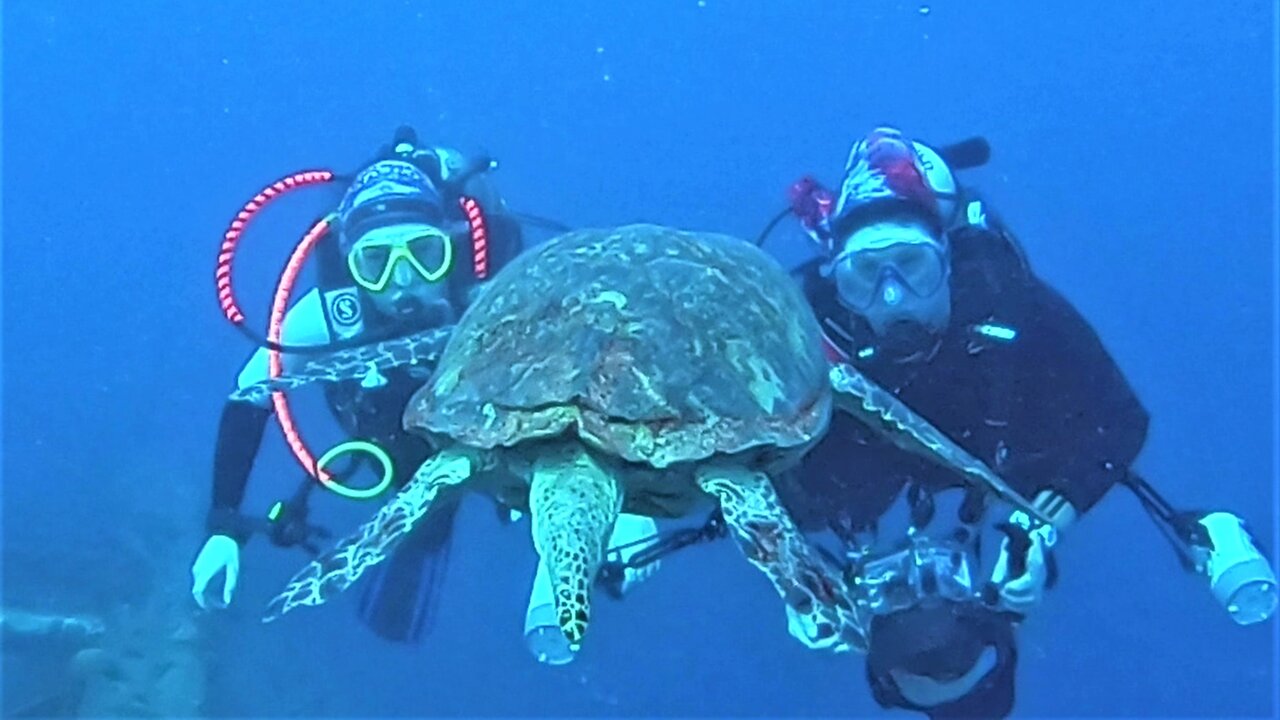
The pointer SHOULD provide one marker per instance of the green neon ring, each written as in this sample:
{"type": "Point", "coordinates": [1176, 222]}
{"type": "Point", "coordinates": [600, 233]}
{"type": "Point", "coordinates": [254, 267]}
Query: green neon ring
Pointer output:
{"type": "Point", "coordinates": [351, 446]}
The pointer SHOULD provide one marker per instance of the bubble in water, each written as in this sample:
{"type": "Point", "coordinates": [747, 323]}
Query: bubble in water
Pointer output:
{"type": "Point", "coordinates": [925, 10]}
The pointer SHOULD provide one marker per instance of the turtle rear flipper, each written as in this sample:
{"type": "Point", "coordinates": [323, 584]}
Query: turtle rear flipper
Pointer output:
{"type": "Point", "coordinates": [573, 504]}
{"type": "Point", "coordinates": [822, 611]}
{"type": "Point", "coordinates": [337, 569]}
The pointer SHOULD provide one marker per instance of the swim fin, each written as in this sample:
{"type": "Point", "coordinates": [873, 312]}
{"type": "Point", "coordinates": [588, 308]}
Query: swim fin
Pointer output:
{"type": "Point", "coordinates": [401, 597]}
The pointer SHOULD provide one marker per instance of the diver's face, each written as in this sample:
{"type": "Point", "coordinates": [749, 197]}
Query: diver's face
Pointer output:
{"type": "Point", "coordinates": [403, 268]}
{"type": "Point", "coordinates": [898, 311]}
{"type": "Point", "coordinates": [897, 277]}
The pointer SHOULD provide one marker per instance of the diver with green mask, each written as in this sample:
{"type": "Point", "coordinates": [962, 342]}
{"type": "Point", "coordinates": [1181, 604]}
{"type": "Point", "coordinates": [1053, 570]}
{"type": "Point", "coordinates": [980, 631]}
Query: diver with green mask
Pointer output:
{"type": "Point", "coordinates": [416, 233]}
{"type": "Point", "coordinates": [414, 237]}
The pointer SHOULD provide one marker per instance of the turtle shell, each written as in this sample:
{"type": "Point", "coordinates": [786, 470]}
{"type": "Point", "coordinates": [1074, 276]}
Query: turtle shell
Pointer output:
{"type": "Point", "coordinates": [651, 344]}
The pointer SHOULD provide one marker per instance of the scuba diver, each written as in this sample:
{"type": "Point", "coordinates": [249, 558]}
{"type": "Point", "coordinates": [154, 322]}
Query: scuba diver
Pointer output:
{"type": "Point", "coordinates": [413, 237]}
{"type": "Point", "coordinates": [922, 288]}
{"type": "Point", "coordinates": [387, 271]}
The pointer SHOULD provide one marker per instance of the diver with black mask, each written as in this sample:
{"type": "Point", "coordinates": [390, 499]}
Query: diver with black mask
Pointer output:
{"type": "Point", "coordinates": [920, 286]}
{"type": "Point", "coordinates": [924, 289]}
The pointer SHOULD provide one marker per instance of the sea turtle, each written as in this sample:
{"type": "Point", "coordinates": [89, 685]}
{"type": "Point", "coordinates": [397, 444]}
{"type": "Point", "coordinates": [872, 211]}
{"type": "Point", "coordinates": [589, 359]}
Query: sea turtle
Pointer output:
{"type": "Point", "coordinates": [638, 369]}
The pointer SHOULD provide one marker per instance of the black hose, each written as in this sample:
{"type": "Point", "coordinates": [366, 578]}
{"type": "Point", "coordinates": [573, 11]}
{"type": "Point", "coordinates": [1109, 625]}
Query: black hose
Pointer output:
{"type": "Point", "coordinates": [966, 154]}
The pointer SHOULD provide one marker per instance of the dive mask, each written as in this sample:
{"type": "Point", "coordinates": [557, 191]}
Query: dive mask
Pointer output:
{"type": "Point", "coordinates": [426, 250]}
{"type": "Point", "coordinates": [882, 260]}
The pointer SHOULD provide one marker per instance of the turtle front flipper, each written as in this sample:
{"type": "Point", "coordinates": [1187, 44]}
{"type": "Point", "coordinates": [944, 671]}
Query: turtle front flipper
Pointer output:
{"type": "Point", "coordinates": [822, 611]}
{"type": "Point", "coordinates": [882, 411]}
{"type": "Point", "coordinates": [337, 569]}
{"type": "Point", "coordinates": [573, 503]}
{"type": "Point", "coordinates": [355, 363]}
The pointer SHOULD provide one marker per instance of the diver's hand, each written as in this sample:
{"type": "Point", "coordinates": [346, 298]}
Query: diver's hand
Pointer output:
{"type": "Point", "coordinates": [1025, 567]}
{"type": "Point", "coordinates": [1019, 593]}
{"type": "Point", "coordinates": [634, 576]}
{"type": "Point", "coordinates": [1022, 570]}
{"type": "Point", "coordinates": [220, 553]}
{"type": "Point", "coordinates": [631, 535]}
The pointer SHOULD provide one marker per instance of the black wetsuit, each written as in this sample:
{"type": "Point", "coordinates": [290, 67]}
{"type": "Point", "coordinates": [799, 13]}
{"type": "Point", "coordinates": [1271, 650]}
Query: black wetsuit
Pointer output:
{"type": "Point", "coordinates": [375, 413]}
{"type": "Point", "coordinates": [1020, 380]}
{"type": "Point", "coordinates": [1045, 408]}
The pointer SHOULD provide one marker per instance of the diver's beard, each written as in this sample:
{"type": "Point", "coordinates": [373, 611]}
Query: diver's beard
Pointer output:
{"type": "Point", "coordinates": [417, 310]}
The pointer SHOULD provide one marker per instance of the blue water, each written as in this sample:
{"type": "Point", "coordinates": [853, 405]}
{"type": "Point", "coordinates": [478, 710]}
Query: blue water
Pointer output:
{"type": "Point", "coordinates": [1134, 154]}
